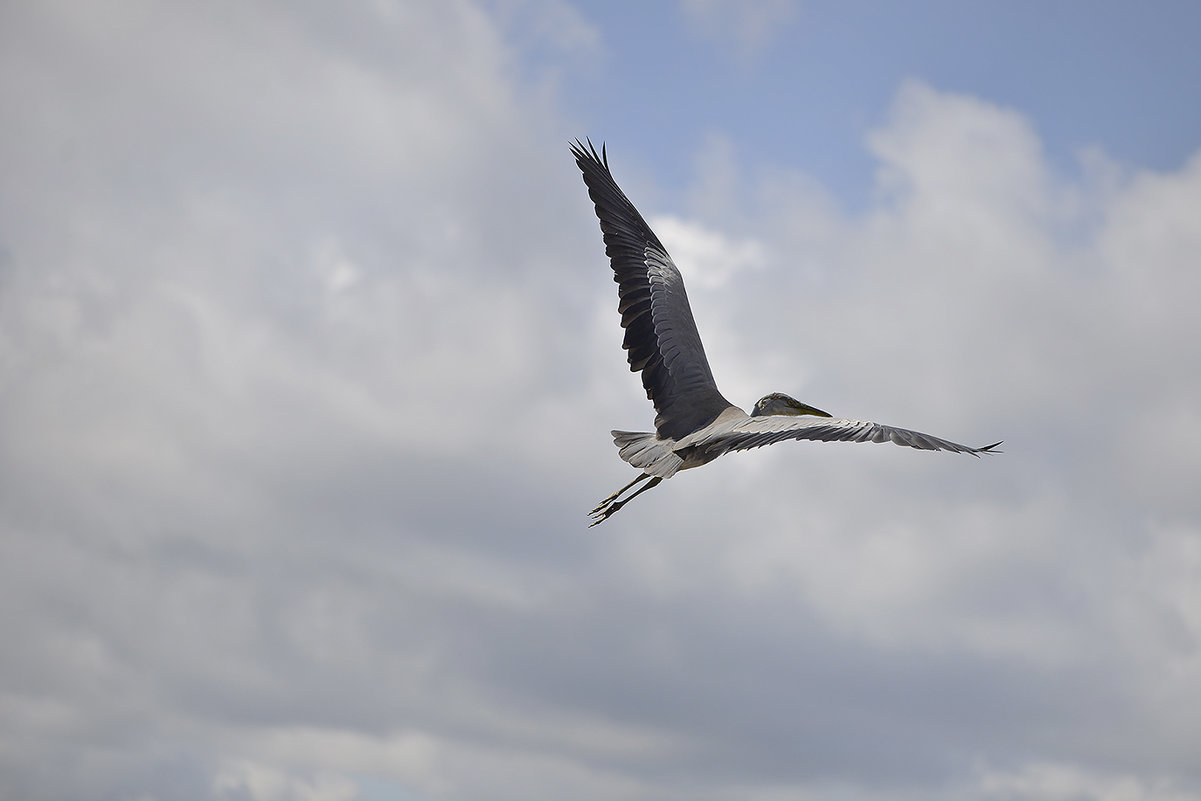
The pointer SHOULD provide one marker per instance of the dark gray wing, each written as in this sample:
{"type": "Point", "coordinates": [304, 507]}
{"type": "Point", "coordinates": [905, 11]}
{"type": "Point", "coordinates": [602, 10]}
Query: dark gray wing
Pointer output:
{"type": "Point", "coordinates": [661, 335]}
{"type": "Point", "coordinates": [755, 432]}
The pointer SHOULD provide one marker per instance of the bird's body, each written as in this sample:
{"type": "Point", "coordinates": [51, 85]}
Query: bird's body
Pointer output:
{"type": "Point", "coordinates": [695, 424]}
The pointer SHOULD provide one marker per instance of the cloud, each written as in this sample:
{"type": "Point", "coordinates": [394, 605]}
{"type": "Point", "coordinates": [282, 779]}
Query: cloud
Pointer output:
{"type": "Point", "coordinates": [308, 351]}
{"type": "Point", "coordinates": [249, 780]}
{"type": "Point", "coordinates": [715, 261]}
{"type": "Point", "coordinates": [1055, 781]}
{"type": "Point", "coordinates": [746, 28]}
{"type": "Point", "coordinates": [547, 23]}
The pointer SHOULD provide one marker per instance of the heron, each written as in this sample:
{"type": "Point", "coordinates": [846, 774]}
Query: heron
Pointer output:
{"type": "Point", "coordinates": [694, 423]}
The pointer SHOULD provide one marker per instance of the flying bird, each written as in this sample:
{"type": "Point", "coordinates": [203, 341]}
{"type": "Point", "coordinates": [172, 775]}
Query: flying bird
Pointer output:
{"type": "Point", "coordinates": [694, 423]}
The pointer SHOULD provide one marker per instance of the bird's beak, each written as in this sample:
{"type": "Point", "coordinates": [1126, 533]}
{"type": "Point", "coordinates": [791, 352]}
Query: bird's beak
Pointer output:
{"type": "Point", "coordinates": [804, 408]}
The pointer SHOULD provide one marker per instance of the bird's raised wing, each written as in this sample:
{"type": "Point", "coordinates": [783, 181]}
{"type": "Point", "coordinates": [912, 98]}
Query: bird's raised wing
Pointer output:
{"type": "Point", "coordinates": [661, 335]}
{"type": "Point", "coordinates": [754, 432]}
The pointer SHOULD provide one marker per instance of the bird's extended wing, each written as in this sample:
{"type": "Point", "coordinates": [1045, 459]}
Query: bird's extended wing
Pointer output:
{"type": "Point", "coordinates": [661, 335]}
{"type": "Point", "coordinates": [754, 432]}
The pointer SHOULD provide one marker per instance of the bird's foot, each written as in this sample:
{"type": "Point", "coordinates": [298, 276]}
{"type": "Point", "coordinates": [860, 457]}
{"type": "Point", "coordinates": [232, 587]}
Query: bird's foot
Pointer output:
{"type": "Point", "coordinates": [602, 512]}
{"type": "Point", "coordinates": [605, 509]}
{"type": "Point", "coordinates": [600, 506]}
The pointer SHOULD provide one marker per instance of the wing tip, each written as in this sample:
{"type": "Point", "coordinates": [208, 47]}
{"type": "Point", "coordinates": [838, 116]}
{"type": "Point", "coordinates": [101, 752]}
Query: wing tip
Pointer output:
{"type": "Point", "coordinates": [589, 153]}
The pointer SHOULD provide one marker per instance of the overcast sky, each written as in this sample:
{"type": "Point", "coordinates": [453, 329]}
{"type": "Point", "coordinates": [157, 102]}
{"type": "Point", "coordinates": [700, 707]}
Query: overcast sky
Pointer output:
{"type": "Point", "coordinates": [309, 353]}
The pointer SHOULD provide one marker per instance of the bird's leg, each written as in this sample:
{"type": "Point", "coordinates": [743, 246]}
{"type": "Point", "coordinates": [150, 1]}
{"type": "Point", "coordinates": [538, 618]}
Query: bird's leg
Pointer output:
{"type": "Point", "coordinates": [609, 506]}
{"type": "Point", "coordinates": [616, 495]}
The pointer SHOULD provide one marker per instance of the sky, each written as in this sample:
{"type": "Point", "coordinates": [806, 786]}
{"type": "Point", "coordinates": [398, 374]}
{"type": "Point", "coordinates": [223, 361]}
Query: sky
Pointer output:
{"type": "Point", "coordinates": [309, 353]}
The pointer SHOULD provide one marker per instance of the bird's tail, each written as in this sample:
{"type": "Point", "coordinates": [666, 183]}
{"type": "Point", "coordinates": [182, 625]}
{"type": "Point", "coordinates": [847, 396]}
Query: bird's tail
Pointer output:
{"type": "Point", "coordinates": [648, 453]}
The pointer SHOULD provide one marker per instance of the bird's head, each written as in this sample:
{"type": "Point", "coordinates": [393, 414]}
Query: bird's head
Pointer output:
{"type": "Point", "coordinates": [779, 403]}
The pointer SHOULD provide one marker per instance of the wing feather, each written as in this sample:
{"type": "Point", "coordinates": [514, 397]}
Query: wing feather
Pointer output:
{"type": "Point", "coordinates": [755, 432]}
{"type": "Point", "coordinates": [661, 336]}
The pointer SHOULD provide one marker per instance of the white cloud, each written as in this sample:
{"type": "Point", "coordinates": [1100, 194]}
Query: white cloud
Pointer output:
{"type": "Point", "coordinates": [303, 405]}
{"type": "Point", "coordinates": [713, 260]}
{"type": "Point", "coordinates": [1059, 782]}
{"type": "Point", "coordinates": [552, 22]}
{"type": "Point", "coordinates": [977, 294]}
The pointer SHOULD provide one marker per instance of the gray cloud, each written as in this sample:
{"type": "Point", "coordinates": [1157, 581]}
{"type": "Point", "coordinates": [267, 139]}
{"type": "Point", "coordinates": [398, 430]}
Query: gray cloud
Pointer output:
{"type": "Point", "coordinates": [308, 354]}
